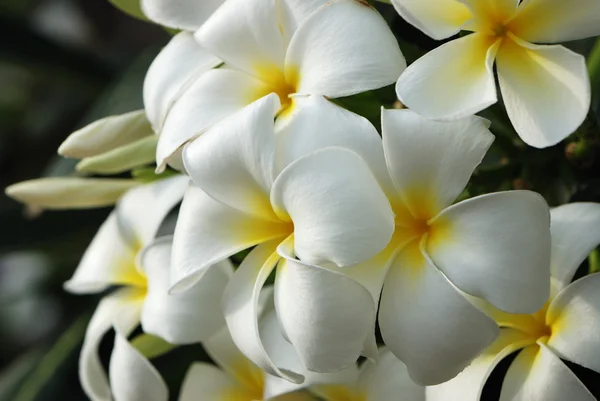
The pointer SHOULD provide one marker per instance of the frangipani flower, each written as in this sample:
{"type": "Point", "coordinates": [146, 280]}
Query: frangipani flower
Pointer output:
{"type": "Point", "coordinates": [545, 89]}
{"type": "Point", "coordinates": [290, 48]}
{"type": "Point", "coordinates": [387, 380]}
{"type": "Point", "coordinates": [237, 378]}
{"type": "Point", "coordinates": [325, 206]}
{"type": "Point", "coordinates": [565, 328]}
{"type": "Point", "coordinates": [123, 254]}
{"type": "Point", "coordinates": [495, 246]}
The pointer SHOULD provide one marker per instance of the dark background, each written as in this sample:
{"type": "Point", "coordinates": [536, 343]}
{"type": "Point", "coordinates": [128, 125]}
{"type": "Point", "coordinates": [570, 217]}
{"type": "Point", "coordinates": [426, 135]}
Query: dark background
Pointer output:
{"type": "Point", "coordinates": [65, 63]}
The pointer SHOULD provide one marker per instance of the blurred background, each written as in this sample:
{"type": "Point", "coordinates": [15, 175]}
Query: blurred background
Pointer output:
{"type": "Point", "coordinates": [65, 63]}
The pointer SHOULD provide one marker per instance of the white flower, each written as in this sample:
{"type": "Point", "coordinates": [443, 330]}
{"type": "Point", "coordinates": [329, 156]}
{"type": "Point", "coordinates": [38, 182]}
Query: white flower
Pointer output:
{"type": "Point", "coordinates": [236, 378]}
{"type": "Point", "coordinates": [325, 207]}
{"type": "Point", "coordinates": [565, 328]}
{"type": "Point", "coordinates": [545, 89]}
{"type": "Point", "coordinates": [291, 48]}
{"type": "Point", "coordinates": [124, 254]}
{"type": "Point", "coordinates": [387, 380]}
{"type": "Point", "coordinates": [495, 246]}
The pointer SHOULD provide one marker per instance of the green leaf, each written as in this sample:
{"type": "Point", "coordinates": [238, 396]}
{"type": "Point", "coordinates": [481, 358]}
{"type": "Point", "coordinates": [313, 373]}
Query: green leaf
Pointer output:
{"type": "Point", "coordinates": [131, 7]}
{"type": "Point", "coordinates": [45, 369]}
{"type": "Point", "coordinates": [151, 346]}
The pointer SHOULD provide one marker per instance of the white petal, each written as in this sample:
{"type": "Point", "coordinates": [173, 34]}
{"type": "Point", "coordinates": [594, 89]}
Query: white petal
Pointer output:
{"type": "Point", "coordinates": [188, 317]}
{"type": "Point", "coordinates": [427, 323]}
{"type": "Point", "coordinates": [551, 21]}
{"type": "Point", "coordinates": [317, 123]}
{"type": "Point", "coordinates": [537, 374]}
{"type": "Point", "coordinates": [240, 306]}
{"type": "Point", "coordinates": [339, 211]}
{"type": "Point", "coordinates": [180, 62]}
{"type": "Point", "coordinates": [327, 316]}
{"type": "Point", "coordinates": [225, 354]}
{"type": "Point", "coordinates": [142, 210]}
{"type": "Point", "coordinates": [546, 90]}
{"type": "Point", "coordinates": [431, 162]}
{"type": "Point", "coordinates": [497, 247]}
{"type": "Point", "coordinates": [575, 230]}
{"type": "Point", "coordinates": [123, 308]}
{"type": "Point", "coordinates": [343, 48]}
{"type": "Point", "coordinates": [439, 19]}
{"type": "Point", "coordinates": [455, 80]}
{"type": "Point", "coordinates": [213, 96]}
{"type": "Point", "coordinates": [242, 149]}
{"type": "Point", "coordinates": [106, 134]}
{"type": "Point", "coordinates": [389, 378]}
{"type": "Point", "coordinates": [468, 385]}
{"type": "Point", "coordinates": [574, 317]}
{"type": "Point", "coordinates": [70, 192]}
{"type": "Point", "coordinates": [108, 260]}
{"type": "Point", "coordinates": [207, 382]}
{"type": "Point", "coordinates": [132, 376]}
{"type": "Point", "coordinates": [208, 231]}
{"type": "Point", "coordinates": [301, 9]}
{"type": "Point", "coordinates": [180, 14]}
{"type": "Point", "coordinates": [246, 34]}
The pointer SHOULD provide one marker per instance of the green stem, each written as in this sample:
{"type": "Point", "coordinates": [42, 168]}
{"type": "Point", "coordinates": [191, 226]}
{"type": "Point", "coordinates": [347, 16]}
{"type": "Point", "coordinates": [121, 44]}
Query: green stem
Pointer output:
{"type": "Point", "coordinates": [48, 365]}
{"type": "Point", "coordinates": [594, 261]}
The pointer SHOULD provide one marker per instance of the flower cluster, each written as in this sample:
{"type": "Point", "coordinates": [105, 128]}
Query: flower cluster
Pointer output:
{"type": "Point", "coordinates": [359, 231]}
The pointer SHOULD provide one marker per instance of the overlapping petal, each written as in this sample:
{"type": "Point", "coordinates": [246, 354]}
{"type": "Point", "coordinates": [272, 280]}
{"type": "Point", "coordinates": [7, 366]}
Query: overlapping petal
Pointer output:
{"type": "Point", "coordinates": [180, 14]}
{"type": "Point", "coordinates": [142, 210]}
{"type": "Point", "coordinates": [575, 230]}
{"type": "Point", "coordinates": [387, 379]}
{"type": "Point", "coordinates": [574, 316]}
{"type": "Point", "coordinates": [188, 317]}
{"type": "Point", "coordinates": [427, 323]}
{"type": "Point", "coordinates": [537, 374]}
{"type": "Point", "coordinates": [431, 160]}
{"type": "Point", "coordinates": [551, 21]}
{"type": "Point", "coordinates": [468, 385]}
{"type": "Point", "coordinates": [339, 211]}
{"type": "Point", "coordinates": [437, 18]}
{"type": "Point", "coordinates": [345, 47]}
{"type": "Point", "coordinates": [208, 231]}
{"type": "Point", "coordinates": [120, 309]}
{"type": "Point", "coordinates": [476, 247]}
{"type": "Point", "coordinates": [242, 149]}
{"type": "Point", "coordinates": [180, 62]}
{"type": "Point", "coordinates": [546, 90]}
{"type": "Point", "coordinates": [453, 81]}
{"type": "Point", "coordinates": [108, 260]}
{"type": "Point", "coordinates": [247, 35]}
{"type": "Point", "coordinates": [241, 309]}
{"type": "Point", "coordinates": [326, 315]}
{"type": "Point", "coordinates": [132, 376]}
{"type": "Point", "coordinates": [318, 123]}
{"type": "Point", "coordinates": [215, 95]}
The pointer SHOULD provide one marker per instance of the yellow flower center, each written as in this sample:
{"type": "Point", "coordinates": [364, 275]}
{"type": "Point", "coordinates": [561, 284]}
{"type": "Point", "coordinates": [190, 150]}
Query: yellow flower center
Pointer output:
{"type": "Point", "coordinates": [283, 84]}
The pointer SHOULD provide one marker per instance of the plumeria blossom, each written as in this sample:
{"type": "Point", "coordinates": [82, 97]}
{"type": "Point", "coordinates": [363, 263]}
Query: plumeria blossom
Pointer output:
{"type": "Point", "coordinates": [494, 247]}
{"type": "Point", "coordinates": [545, 88]}
{"type": "Point", "coordinates": [322, 206]}
{"type": "Point", "coordinates": [387, 380]}
{"type": "Point", "coordinates": [124, 254]}
{"type": "Point", "coordinates": [565, 328]}
{"type": "Point", "coordinates": [290, 48]}
{"type": "Point", "coordinates": [236, 378]}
